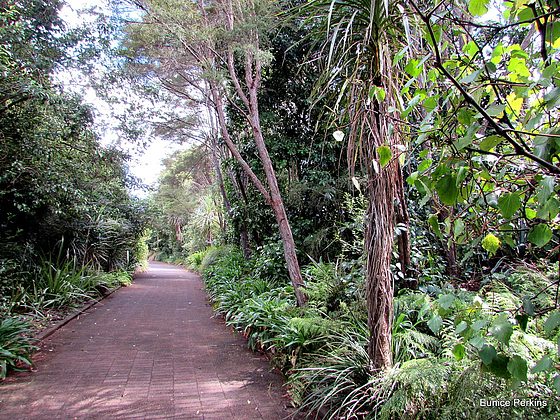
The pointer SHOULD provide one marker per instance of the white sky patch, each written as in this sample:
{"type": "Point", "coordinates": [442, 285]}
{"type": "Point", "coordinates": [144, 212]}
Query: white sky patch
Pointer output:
{"type": "Point", "coordinates": [145, 165]}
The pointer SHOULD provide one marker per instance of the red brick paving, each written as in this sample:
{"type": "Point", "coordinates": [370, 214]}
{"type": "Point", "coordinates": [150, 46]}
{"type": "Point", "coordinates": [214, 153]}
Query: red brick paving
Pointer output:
{"type": "Point", "coordinates": [149, 351]}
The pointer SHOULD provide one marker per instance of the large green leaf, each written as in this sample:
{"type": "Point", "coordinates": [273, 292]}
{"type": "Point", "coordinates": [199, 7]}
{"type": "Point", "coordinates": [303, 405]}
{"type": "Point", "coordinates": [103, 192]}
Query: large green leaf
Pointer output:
{"type": "Point", "coordinates": [549, 210]}
{"type": "Point", "coordinates": [434, 224]}
{"type": "Point", "coordinates": [477, 341]}
{"type": "Point", "coordinates": [490, 142]}
{"type": "Point", "coordinates": [518, 66]}
{"type": "Point", "coordinates": [413, 68]}
{"type": "Point", "coordinates": [543, 364]}
{"type": "Point", "coordinates": [553, 98]}
{"type": "Point", "coordinates": [435, 324]}
{"type": "Point", "coordinates": [384, 155]}
{"type": "Point", "coordinates": [445, 301]}
{"type": "Point", "coordinates": [509, 203]}
{"type": "Point", "coordinates": [495, 110]}
{"type": "Point", "coordinates": [487, 353]}
{"type": "Point", "coordinates": [458, 351]}
{"type": "Point", "coordinates": [447, 190]}
{"type": "Point", "coordinates": [552, 322]}
{"type": "Point", "coordinates": [478, 7]}
{"type": "Point", "coordinates": [517, 366]}
{"type": "Point", "coordinates": [491, 243]}
{"type": "Point", "coordinates": [540, 235]}
{"type": "Point", "coordinates": [557, 383]}
{"type": "Point", "coordinates": [546, 188]}
{"type": "Point", "coordinates": [499, 366]}
{"type": "Point", "coordinates": [501, 330]}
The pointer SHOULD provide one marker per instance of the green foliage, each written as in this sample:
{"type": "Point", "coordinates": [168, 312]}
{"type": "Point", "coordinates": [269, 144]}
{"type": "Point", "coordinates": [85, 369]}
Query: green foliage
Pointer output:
{"type": "Point", "coordinates": [16, 348]}
{"type": "Point", "coordinates": [270, 265]}
{"type": "Point", "coordinates": [330, 289]}
{"type": "Point", "coordinates": [59, 283]}
{"type": "Point", "coordinates": [213, 256]}
{"type": "Point", "coordinates": [59, 181]}
{"type": "Point", "coordinates": [195, 260]}
{"type": "Point", "coordinates": [187, 211]}
{"type": "Point", "coordinates": [142, 251]}
{"type": "Point", "coordinates": [451, 348]}
{"type": "Point", "coordinates": [490, 153]}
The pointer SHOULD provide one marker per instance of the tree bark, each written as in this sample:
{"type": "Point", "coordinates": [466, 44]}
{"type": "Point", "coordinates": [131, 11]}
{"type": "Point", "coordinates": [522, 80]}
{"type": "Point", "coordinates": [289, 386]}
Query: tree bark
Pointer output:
{"type": "Point", "coordinates": [452, 268]}
{"type": "Point", "coordinates": [272, 196]}
{"type": "Point", "coordinates": [379, 279]}
{"type": "Point", "coordinates": [277, 204]}
{"type": "Point", "coordinates": [380, 130]}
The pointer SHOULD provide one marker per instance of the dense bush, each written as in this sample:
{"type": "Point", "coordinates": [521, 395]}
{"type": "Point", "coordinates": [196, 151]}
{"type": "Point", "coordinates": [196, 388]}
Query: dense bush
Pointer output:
{"type": "Point", "coordinates": [451, 348]}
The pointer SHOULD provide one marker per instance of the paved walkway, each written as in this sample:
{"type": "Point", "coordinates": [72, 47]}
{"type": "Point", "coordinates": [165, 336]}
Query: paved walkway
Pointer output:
{"type": "Point", "coordinates": [149, 351]}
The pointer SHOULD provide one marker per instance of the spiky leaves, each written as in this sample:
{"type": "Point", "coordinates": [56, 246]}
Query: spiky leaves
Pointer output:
{"type": "Point", "coordinates": [355, 35]}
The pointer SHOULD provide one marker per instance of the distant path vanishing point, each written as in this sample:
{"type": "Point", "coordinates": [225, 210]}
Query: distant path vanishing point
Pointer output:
{"type": "Point", "coordinates": [149, 351]}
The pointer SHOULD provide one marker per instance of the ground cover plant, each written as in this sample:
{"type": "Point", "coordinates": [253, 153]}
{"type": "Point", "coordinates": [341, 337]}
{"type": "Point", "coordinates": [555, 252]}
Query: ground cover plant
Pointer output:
{"type": "Point", "coordinates": [16, 347]}
{"type": "Point", "coordinates": [452, 349]}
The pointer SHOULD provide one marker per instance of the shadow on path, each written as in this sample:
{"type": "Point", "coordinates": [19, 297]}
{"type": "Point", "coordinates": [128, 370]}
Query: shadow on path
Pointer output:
{"type": "Point", "coordinates": [150, 351]}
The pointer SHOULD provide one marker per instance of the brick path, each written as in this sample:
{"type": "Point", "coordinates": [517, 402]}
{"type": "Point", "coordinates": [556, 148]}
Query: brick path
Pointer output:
{"type": "Point", "coordinates": [149, 351]}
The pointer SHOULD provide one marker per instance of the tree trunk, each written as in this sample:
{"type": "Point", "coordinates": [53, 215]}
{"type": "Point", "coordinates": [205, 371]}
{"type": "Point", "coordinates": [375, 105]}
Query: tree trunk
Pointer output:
{"type": "Point", "coordinates": [277, 204]}
{"type": "Point", "coordinates": [272, 195]}
{"type": "Point", "coordinates": [452, 268]}
{"type": "Point", "coordinates": [380, 130]}
{"type": "Point", "coordinates": [379, 279]}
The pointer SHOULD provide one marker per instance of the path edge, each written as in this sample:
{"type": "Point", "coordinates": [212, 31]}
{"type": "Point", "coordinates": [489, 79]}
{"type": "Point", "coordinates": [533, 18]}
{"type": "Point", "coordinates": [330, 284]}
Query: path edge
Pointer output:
{"type": "Point", "coordinates": [47, 332]}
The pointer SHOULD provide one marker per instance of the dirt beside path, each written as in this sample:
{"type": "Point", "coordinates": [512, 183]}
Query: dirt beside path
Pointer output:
{"type": "Point", "coordinates": [150, 351]}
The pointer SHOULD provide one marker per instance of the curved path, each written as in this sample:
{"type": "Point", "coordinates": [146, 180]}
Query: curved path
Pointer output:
{"type": "Point", "coordinates": [149, 351]}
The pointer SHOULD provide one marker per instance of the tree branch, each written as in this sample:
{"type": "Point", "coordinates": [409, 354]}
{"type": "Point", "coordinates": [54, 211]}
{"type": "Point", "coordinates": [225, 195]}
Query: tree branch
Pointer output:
{"type": "Point", "coordinates": [469, 99]}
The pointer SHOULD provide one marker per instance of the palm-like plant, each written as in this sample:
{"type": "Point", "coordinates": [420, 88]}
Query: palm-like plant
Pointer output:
{"type": "Point", "coordinates": [356, 36]}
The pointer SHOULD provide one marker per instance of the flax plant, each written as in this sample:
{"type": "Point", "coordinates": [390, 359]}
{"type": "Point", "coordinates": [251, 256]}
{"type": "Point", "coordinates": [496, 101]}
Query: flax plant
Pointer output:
{"type": "Point", "coordinates": [357, 37]}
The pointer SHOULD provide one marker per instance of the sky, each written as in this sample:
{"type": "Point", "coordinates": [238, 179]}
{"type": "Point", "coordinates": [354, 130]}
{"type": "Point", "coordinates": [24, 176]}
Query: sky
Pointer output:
{"type": "Point", "coordinates": [144, 165]}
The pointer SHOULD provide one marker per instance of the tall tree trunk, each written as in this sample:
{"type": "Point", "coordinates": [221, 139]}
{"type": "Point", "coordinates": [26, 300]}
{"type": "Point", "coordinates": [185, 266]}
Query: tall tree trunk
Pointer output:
{"type": "Point", "coordinates": [178, 232]}
{"type": "Point", "coordinates": [380, 129]}
{"type": "Point", "coordinates": [272, 195]}
{"type": "Point", "coordinates": [277, 204]}
{"type": "Point", "coordinates": [379, 240]}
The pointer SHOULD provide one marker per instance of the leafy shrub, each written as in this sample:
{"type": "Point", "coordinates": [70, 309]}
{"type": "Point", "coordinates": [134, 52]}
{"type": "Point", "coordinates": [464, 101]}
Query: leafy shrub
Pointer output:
{"type": "Point", "coordinates": [141, 251]}
{"type": "Point", "coordinates": [262, 312]}
{"type": "Point", "coordinates": [261, 318]}
{"type": "Point", "coordinates": [328, 287]}
{"type": "Point", "coordinates": [335, 379]}
{"type": "Point", "coordinates": [16, 347]}
{"type": "Point", "coordinates": [59, 283]}
{"type": "Point", "coordinates": [270, 265]}
{"type": "Point", "coordinates": [444, 342]}
{"type": "Point", "coordinates": [213, 255]}
{"type": "Point", "coordinates": [195, 260]}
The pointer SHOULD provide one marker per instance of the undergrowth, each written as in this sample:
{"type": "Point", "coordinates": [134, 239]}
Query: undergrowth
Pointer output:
{"type": "Point", "coordinates": [57, 287]}
{"type": "Point", "coordinates": [16, 347]}
{"type": "Point", "coordinates": [455, 352]}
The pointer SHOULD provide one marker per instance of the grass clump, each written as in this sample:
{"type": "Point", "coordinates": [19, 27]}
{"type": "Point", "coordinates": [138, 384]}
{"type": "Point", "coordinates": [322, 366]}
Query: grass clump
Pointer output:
{"type": "Point", "coordinates": [16, 347]}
